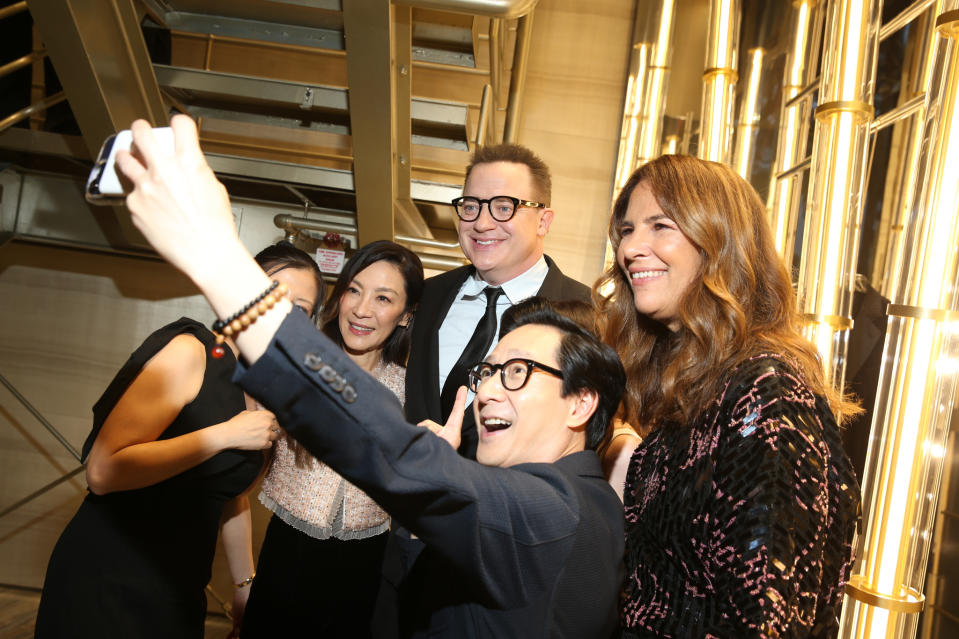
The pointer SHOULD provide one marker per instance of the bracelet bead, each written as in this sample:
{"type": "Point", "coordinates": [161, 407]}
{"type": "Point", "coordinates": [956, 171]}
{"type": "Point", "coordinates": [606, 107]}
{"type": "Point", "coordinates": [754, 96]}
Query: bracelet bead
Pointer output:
{"type": "Point", "coordinates": [242, 319]}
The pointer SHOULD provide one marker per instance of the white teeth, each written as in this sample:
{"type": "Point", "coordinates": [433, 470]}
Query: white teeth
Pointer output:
{"type": "Point", "coordinates": [362, 329]}
{"type": "Point", "coordinates": [485, 242]}
{"type": "Point", "coordinates": [642, 275]}
{"type": "Point", "coordinates": [495, 424]}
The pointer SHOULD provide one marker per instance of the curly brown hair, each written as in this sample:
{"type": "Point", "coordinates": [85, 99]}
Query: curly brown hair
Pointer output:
{"type": "Point", "coordinates": [740, 303]}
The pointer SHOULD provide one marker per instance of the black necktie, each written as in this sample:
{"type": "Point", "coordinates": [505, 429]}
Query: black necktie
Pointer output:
{"type": "Point", "coordinates": [474, 352]}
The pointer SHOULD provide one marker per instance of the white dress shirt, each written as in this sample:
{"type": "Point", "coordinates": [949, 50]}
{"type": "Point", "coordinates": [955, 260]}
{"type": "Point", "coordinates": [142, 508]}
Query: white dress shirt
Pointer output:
{"type": "Point", "coordinates": [470, 305]}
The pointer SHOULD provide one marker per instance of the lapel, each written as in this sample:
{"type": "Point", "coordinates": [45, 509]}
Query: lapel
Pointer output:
{"type": "Point", "coordinates": [436, 314]}
{"type": "Point", "coordinates": [552, 286]}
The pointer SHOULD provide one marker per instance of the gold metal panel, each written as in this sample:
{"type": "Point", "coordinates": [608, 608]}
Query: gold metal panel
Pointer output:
{"type": "Point", "coordinates": [102, 62]}
{"type": "Point", "coordinates": [310, 65]}
{"type": "Point", "coordinates": [492, 8]}
{"type": "Point", "coordinates": [369, 25]}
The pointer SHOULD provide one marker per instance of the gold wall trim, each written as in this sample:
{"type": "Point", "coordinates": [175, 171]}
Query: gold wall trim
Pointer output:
{"type": "Point", "coordinates": [714, 71]}
{"type": "Point", "coordinates": [937, 314]}
{"type": "Point", "coordinates": [911, 603]}
{"type": "Point", "coordinates": [908, 14]}
{"type": "Point", "coordinates": [836, 322]}
{"type": "Point", "coordinates": [13, 9]}
{"type": "Point", "coordinates": [948, 22]}
{"type": "Point", "coordinates": [862, 109]}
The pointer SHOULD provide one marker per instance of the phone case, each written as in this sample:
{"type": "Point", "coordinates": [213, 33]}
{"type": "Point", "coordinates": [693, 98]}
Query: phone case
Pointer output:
{"type": "Point", "coordinates": [103, 185]}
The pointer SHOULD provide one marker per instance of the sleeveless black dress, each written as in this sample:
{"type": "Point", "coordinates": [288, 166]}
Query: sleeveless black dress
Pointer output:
{"type": "Point", "coordinates": [135, 563]}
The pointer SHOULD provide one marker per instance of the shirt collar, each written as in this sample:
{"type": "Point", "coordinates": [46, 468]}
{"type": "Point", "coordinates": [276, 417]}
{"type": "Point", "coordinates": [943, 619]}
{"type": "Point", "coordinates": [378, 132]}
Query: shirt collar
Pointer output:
{"type": "Point", "coordinates": [519, 288]}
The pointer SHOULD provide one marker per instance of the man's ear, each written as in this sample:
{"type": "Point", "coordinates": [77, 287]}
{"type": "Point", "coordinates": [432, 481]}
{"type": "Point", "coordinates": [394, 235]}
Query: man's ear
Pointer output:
{"type": "Point", "coordinates": [583, 405]}
{"type": "Point", "coordinates": [545, 219]}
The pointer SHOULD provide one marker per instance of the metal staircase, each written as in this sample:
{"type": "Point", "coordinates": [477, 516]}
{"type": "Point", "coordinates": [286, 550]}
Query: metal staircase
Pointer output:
{"type": "Point", "coordinates": [361, 112]}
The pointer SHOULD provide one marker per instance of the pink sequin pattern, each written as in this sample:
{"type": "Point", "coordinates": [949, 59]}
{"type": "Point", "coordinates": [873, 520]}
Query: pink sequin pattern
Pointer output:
{"type": "Point", "coordinates": [741, 524]}
{"type": "Point", "coordinates": [310, 496]}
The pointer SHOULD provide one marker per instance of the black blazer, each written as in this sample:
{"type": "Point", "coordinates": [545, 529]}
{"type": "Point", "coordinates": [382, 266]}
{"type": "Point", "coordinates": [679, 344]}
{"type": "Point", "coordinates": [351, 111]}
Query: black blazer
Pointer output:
{"type": "Point", "coordinates": [530, 551]}
{"type": "Point", "coordinates": [422, 375]}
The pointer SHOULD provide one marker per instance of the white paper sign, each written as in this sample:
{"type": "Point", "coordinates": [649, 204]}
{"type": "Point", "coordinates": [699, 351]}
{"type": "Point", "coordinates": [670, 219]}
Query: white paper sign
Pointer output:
{"type": "Point", "coordinates": [330, 260]}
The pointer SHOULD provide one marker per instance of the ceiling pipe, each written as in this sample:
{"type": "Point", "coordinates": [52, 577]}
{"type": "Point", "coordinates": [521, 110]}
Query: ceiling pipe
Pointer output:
{"type": "Point", "coordinates": [422, 241]}
{"type": "Point", "coordinates": [431, 261]}
{"type": "Point", "coordinates": [286, 221]}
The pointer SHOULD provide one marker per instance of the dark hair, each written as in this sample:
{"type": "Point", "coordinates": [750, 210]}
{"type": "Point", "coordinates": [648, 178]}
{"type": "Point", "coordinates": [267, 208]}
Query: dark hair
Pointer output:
{"type": "Point", "coordinates": [283, 255]}
{"type": "Point", "coordinates": [396, 349]}
{"type": "Point", "coordinates": [587, 363]}
{"type": "Point", "coordinates": [516, 154]}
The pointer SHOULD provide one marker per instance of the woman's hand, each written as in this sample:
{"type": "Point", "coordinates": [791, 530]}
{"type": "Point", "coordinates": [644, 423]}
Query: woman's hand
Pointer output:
{"type": "Point", "coordinates": [249, 430]}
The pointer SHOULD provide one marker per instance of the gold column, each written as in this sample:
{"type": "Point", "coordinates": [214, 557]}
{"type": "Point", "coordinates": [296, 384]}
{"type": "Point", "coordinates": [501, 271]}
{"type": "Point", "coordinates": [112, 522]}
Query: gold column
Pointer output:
{"type": "Point", "coordinates": [794, 123]}
{"type": "Point", "coordinates": [632, 118]}
{"type": "Point", "coordinates": [657, 74]}
{"type": "Point", "coordinates": [837, 178]}
{"type": "Point", "coordinates": [748, 116]}
{"type": "Point", "coordinates": [918, 379]}
{"type": "Point", "coordinates": [645, 87]}
{"type": "Point", "coordinates": [719, 81]}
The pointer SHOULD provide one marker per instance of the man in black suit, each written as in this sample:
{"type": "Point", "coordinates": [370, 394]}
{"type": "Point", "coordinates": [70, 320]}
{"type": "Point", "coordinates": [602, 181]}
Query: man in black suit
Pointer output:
{"type": "Point", "coordinates": [502, 221]}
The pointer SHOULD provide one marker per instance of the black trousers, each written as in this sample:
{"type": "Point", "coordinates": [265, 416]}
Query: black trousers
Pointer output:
{"type": "Point", "coordinates": [306, 587]}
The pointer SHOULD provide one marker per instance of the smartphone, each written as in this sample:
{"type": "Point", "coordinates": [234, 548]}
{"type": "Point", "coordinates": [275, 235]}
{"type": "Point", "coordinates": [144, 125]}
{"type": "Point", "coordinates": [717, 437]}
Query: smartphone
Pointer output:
{"type": "Point", "coordinates": [103, 185]}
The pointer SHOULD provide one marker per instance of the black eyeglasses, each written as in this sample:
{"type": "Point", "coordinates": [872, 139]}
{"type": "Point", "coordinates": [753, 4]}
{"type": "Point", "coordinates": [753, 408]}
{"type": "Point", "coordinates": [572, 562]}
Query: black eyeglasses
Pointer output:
{"type": "Point", "coordinates": [514, 373]}
{"type": "Point", "coordinates": [501, 207]}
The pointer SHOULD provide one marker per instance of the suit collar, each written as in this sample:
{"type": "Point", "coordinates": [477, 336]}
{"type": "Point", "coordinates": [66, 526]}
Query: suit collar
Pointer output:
{"type": "Point", "coordinates": [585, 463]}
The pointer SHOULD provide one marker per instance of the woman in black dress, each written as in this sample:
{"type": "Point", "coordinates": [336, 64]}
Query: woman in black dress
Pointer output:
{"type": "Point", "coordinates": [172, 452]}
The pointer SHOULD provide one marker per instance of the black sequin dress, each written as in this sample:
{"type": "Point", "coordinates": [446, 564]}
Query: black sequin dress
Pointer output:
{"type": "Point", "coordinates": [741, 524]}
{"type": "Point", "coordinates": [135, 563]}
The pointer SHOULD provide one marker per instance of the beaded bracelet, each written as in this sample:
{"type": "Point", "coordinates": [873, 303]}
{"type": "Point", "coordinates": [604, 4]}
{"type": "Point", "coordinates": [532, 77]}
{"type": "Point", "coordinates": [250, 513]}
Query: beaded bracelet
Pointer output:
{"type": "Point", "coordinates": [241, 320]}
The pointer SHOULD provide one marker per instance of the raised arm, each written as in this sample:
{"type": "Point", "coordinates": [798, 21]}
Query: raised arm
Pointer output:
{"type": "Point", "coordinates": [184, 212]}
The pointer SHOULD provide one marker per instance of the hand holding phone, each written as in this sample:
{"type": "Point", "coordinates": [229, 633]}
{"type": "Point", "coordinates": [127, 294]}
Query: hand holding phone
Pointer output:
{"type": "Point", "coordinates": [104, 185]}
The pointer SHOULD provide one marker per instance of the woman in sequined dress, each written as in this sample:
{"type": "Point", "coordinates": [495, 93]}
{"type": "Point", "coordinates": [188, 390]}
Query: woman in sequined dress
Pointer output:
{"type": "Point", "coordinates": [740, 503]}
{"type": "Point", "coordinates": [319, 567]}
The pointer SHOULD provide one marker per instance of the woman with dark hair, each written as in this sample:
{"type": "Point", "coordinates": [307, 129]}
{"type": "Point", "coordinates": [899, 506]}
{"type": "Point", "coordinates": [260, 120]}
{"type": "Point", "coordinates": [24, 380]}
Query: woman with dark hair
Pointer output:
{"type": "Point", "coordinates": [175, 446]}
{"type": "Point", "coordinates": [740, 503]}
{"type": "Point", "coordinates": [319, 567]}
